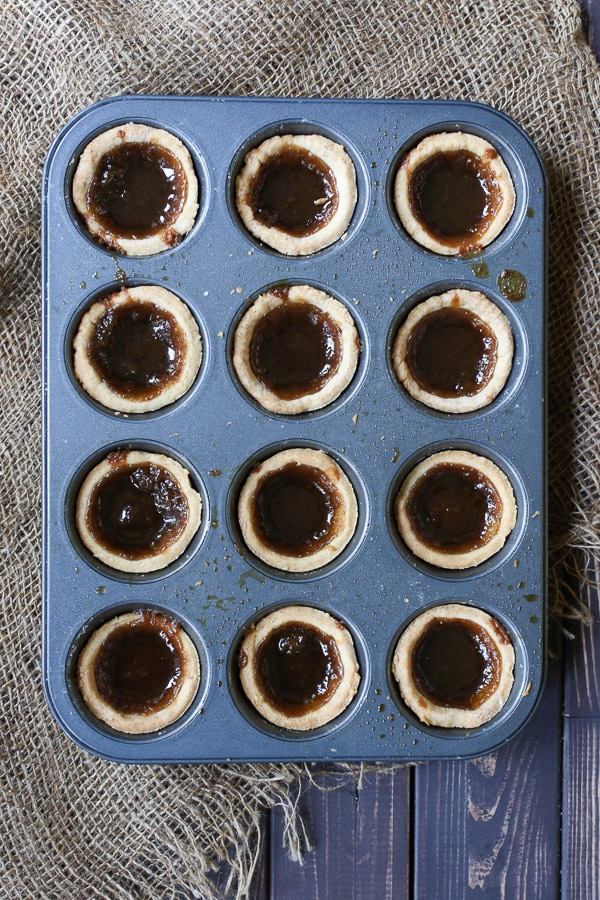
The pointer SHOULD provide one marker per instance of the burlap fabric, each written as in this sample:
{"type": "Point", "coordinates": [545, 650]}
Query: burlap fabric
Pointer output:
{"type": "Point", "coordinates": [75, 826]}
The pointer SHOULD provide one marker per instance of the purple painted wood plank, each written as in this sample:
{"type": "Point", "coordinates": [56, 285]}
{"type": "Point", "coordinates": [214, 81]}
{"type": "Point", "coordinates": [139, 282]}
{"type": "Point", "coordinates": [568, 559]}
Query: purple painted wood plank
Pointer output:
{"type": "Point", "coordinates": [581, 809]}
{"type": "Point", "coordinates": [591, 22]}
{"type": "Point", "coordinates": [383, 843]}
{"type": "Point", "coordinates": [328, 812]}
{"type": "Point", "coordinates": [582, 658]}
{"type": "Point", "coordinates": [493, 824]}
{"type": "Point", "coordinates": [360, 839]}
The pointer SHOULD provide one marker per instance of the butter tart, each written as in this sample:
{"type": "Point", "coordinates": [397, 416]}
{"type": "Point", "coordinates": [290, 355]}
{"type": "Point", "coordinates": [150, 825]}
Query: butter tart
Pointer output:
{"type": "Point", "coordinates": [295, 349]}
{"type": "Point", "coordinates": [297, 510]}
{"type": "Point", "coordinates": [453, 193]}
{"type": "Point", "coordinates": [454, 352]}
{"type": "Point", "coordinates": [297, 193]}
{"type": "Point", "coordinates": [454, 666]}
{"type": "Point", "coordinates": [455, 509]}
{"type": "Point", "coordinates": [137, 511]}
{"type": "Point", "coordinates": [137, 350]}
{"type": "Point", "coordinates": [136, 189]}
{"type": "Point", "coordinates": [298, 667]}
{"type": "Point", "coordinates": [139, 672]}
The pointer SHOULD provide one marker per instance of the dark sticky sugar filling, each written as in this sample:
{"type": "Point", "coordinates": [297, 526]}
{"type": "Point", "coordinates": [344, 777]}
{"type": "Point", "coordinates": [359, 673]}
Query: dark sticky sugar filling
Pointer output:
{"type": "Point", "coordinates": [136, 511]}
{"type": "Point", "coordinates": [295, 350]}
{"type": "Point", "coordinates": [454, 195]}
{"type": "Point", "coordinates": [295, 510]}
{"type": "Point", "coordinates": [294, 191]}
{"type": "Point", "coordinates": [455, 663]}
{"type": "Point", "coordinates": [137, 349]}
{"type": "Point", "coordinates": [454, 508]}
{"type": "Point", "coordinates": [137, 190]}
{"type": "Point", "coordinates": [451, 352]}
{"type": "Point", "coordinates": [138, 667]}
{"type": "Point", "coordinates": [298, 668]}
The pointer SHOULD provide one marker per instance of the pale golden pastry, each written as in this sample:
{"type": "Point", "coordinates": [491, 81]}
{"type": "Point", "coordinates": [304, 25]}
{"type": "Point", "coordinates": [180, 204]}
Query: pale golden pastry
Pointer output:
{"type": "Point", "coordinates": [139, 672]}
{"type": "Point", "coordinates": [137, 350]}
{"type": "Point", "coordinates": [298, 667]}
{"type": "Point", "coordinates": [453, 193]}
{"type": "Point", "coordinates": [297, 193]}
{"type": "Point", "coordinates": [295, 349]}
{"type": "Point", "coordinates": [455, 509]}
{"type": "Point", "coordinates": [454, 352]}
{"type": "Point", "coordinates": [136, 189]}
{"type": "Point", "coordinates": [454, 666]}
{"type": "Point", "coordinates": [297, 510]}
{"type": "Point", "coordinates": [137, 511]}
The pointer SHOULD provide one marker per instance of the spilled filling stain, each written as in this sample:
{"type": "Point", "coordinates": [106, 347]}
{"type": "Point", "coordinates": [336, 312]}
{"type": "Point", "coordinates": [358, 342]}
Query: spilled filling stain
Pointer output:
{"type": "Point", "coordinates": [480, 269]}
{"type": "Point", "coordinates": [512, 285]}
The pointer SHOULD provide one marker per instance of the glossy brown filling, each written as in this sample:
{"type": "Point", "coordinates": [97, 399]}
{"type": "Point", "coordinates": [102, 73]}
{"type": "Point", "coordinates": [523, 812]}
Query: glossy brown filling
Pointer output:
{"type": "Point", "coordinates": [137, 349]}
{"type": "Point", "coordinates": [137, 189]}
{"type": "Point", "coordinates": [137, 511]}
{"type": "Point", "coordinates": [298, 668]}
{"type": "Point", "coordinates": [295, 192]}
{"type": "Point", "coordinates": [295, 349]}
{"type": "Point", "coordinates": [455, 663]}
{"type": "Point", "coordinates": [452, 353]}
{"type": "Point", "coordinates": [454, 508]}
{"type": "Point", "coordinates": [454, 195]}
{"type": "Point", "coordinates": [138, 667]}
{"type": "Point", "coordinates": [295, 510]}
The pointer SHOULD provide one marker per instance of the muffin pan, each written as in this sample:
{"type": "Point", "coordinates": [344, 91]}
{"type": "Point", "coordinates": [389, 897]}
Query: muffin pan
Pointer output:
{"type": "Point", "coordinates": [374, 430]}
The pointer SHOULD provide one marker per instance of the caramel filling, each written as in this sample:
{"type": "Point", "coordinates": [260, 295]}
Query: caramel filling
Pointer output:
{"type": "Point", "coordinates": [137, 189]}
{"type": "Point", "coordinates": [451, 353]}
{"type": "Point", "coordinates": [137, 511]}
{"type": "Point", "coordinates": [298, 668]}
{"type": "Point", "coordinates": [454, 195]}
{"type": "Point", "coordinates": [455, 663]}
{"type": "Point", "coordinates": [295, 349]}
{"type": "Point", "coordinates": [138, 667]}
{"type": "Point", "coordinates": [295, 510]}
{"type": "Point", "coordinates": [454, 508]}
{"type": "Point", "coordinates": [295, 192]}
{"type": "Point", "coordinates": [137, 349]}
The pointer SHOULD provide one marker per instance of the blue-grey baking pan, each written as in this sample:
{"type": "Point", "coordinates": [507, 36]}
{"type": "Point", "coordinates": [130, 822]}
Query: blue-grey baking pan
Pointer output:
{"type": "Point", "coordinates": [374, 430]}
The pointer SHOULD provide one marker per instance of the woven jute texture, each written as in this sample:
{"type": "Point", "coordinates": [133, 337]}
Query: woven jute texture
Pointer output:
{"type": "Point", "coordinates": [73, 825]}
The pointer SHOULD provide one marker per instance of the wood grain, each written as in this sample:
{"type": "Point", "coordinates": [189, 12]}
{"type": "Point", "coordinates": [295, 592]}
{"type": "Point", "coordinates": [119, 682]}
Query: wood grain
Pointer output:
{"type": "Point", "coordinates": [581, 762]}
{"type": "Point", "coordinates": [581, 803]}
{"type": "Point", "coordinates": [359, 832]}
{"type": "Point", "coordinates": [493, 824]}
{"type": "Point", "coordinates": [582, 672]}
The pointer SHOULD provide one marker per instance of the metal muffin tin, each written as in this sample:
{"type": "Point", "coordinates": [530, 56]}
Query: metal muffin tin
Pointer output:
{"type": "Point", "coordinates": [375, 431]}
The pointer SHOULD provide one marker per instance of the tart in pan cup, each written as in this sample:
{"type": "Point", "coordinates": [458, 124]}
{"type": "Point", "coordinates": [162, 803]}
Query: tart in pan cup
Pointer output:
{"type": "Point", "coordinates": [454, 351]}
{"type": "Point", "coordinates": [297, 193]}
{"type": "Point", "coordinates": [139, 672]}
{"type": "Point", "coordinates": [295, 349]}
{"type": "Point", "coordinates": [137, 350]}
{"type": "Point", "coordinates": [297, 510]}
{"type": "Point", "coordinates": [136, 189]}
{"type": "Point", "coordinates": [137, 511]}
{"type": "Point", "coordinates": [298, 667]}
{"type": "Point", "coordinates": [453, 193]}
{"type": "Point", "coordinates": [455, 509]}
{"type": "Point", "coordinates": [454, 666]}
